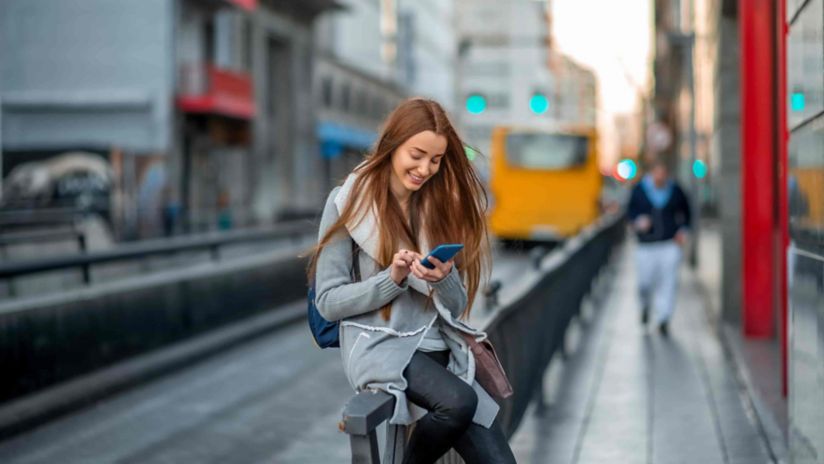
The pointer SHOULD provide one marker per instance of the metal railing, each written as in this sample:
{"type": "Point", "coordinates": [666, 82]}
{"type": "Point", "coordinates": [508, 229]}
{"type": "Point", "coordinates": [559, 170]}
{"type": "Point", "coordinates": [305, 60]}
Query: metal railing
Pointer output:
{"type": "Point", "coordinates": [44, 236]}
{"type": "Point", "coordinates": [49, 339]}
{"type": "Point", "coordinates": [140, 250]}
{"type": "Point", "coordinates": [11, 242]}
{"type": "Point", "coordinates": [527, 332]}
{"type": "Point", "coordinates": [15, 218]}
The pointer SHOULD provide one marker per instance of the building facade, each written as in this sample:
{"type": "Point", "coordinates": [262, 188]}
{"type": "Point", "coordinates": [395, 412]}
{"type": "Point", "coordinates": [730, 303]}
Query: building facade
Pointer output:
{"type": "Point", "coordinates": [759, 100]}
{"type": "Point", "coordinates": [509, 74]}
{"type": "Point", "coordinates": [574, 98]}
{"type": "Point", "coordinates": [427, 49]}
{"type": "Point", "coordinates": [203, 108]}
{"type": "Point", "coordinates": [804, 103]}
{"type": "Point", "coordinates": [355, 83]}
{"type": "Point", "coordinates": [370, 56]}
{"type": "Point", "coordinates": [492, 89]}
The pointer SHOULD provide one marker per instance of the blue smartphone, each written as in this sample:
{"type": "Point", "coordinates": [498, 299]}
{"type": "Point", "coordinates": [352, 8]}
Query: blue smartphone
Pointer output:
{"type": "Point", "coordinates": [443, 252]}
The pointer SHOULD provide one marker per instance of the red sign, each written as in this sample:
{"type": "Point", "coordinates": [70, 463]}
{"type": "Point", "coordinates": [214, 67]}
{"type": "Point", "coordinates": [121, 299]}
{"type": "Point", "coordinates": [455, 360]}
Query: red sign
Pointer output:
{"type": "Point", "coordinates": [248, 5]}
{"type": "Point", "coordinates": [211, 90]}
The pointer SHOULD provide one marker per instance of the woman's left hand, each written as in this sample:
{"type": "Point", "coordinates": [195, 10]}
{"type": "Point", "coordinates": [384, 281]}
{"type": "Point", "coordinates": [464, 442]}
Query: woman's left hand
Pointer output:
{"type": "Point", "coordinates": [440, 271]}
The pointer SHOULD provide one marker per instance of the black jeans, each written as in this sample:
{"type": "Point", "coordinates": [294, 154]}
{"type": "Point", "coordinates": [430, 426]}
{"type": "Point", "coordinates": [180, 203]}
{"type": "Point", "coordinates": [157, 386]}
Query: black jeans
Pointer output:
{"type": "Point", "coordinates": [451, 403]}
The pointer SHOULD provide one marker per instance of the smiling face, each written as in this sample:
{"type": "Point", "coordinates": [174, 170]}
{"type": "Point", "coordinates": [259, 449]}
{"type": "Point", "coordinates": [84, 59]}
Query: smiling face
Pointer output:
{"type": "Point", "coordinates": [416, 161]}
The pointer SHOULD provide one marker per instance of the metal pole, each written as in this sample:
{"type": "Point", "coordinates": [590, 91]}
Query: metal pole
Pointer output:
{"type": "Point", "coordinates": [460, 92]}
{"type": "Point", "coordinates": [694, 183]}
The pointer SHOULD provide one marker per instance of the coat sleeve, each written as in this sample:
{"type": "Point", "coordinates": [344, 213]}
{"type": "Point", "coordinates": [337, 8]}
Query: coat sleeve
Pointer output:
{"type": "Point", "coordinates": [451, 293]}
{"type": "Point", "coordinates": [338, 297]}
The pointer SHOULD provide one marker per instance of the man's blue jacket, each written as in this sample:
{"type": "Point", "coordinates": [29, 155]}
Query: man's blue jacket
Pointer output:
{"type": "Point", "coordinates": [667, 220]}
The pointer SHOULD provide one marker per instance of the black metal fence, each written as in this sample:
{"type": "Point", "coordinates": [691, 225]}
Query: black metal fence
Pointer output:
{"type": "Point", "coordinates": [51, 338]}
{"type": "Point", "coordinates": [527, 332]}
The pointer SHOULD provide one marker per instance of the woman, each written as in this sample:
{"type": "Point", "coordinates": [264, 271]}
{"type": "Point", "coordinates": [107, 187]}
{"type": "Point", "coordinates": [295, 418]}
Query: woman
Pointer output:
{"type": "Point", "coordinates": [401, 323]}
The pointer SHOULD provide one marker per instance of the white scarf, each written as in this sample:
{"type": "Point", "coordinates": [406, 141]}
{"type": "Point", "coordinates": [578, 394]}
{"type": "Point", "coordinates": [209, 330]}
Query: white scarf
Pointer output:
{"type": "Point", "coordinates": [364, 233]}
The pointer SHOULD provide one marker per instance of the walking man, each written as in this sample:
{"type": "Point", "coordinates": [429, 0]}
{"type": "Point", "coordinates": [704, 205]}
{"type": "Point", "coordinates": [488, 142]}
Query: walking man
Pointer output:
{"type": "Point", "coordinates": [660, 215]}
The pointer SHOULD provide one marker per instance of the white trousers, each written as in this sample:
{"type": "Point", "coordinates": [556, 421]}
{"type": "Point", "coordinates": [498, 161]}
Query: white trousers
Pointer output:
{"type": "Point", "coordinates": [657, 269]}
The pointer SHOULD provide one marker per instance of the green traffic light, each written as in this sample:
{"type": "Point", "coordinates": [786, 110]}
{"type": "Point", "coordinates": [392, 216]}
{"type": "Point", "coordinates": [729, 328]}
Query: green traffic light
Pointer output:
{"type": "Point", "coordinates": [471, 154]}
{"type": "Point", "coordinates": [476, 104]}
{"type": "Point", "coordinates": [797, 101]}
{"type": "Point", "coordinates": [627, 169]}
{"type": "Point", "coordinates": [539, 104]}
{"type": "Point", "coordinates": [699, 168]}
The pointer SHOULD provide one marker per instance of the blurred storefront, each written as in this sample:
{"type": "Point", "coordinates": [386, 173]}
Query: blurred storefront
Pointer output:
{"type": "Point", "coordinates": [356, 84]}
{"type": "Point", "coordinates": [202, 108]}
{"type": "Point", "coordinates": [804, 103]}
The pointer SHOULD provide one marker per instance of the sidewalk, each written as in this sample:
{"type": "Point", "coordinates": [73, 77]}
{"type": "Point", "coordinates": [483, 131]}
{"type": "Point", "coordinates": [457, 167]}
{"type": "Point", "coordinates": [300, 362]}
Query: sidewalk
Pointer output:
{"type": "Point", "coordinates": [628, 395]}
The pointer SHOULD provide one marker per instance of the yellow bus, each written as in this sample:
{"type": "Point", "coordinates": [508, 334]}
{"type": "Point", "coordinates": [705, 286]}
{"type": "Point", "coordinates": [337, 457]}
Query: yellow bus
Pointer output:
{"type": "Point", "coordinates": [545, 185]}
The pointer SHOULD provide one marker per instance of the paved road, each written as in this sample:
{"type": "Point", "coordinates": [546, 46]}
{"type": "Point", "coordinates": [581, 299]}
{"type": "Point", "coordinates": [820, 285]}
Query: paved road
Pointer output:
{"type": "Point", "coordinates": [246, 405]}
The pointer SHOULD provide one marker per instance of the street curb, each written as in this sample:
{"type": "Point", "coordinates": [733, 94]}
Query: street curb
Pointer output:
{"type": "Point", "coordinates": [28, 412]}
{"type": "Point", "coordinates": [764, 420]}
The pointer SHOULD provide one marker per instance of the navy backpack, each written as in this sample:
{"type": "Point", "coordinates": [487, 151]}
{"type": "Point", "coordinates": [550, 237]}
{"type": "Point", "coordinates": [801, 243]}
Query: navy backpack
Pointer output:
{"type": "Point", "coordinates": [326, 332]}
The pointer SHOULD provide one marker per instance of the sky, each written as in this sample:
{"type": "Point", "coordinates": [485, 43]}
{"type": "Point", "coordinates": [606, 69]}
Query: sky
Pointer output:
{"type": "Point", "coordinates": [612, 37]}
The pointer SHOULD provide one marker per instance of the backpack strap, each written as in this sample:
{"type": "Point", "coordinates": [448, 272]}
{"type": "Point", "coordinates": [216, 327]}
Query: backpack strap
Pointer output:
{"type": "Point", "coordinates": [356, 261]}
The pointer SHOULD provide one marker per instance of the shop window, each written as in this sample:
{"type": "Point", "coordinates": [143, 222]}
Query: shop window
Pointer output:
{"type": "Point", "coordinates": [326, 91]}
{"type": "Point", "coordinates": [345, 97]}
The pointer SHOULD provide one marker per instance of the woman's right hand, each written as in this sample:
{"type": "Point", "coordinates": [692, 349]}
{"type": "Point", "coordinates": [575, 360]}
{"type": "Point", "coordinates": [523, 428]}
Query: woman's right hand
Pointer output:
{"type": "Point", "coordinates": [401, 265]}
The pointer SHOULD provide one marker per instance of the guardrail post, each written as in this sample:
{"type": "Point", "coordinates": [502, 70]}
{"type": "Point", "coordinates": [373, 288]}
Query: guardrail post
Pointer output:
{"type": "Point", "coordinates": [87, 274]}
{"type": "Point", "coordinates": [365, 448]}
{"type": "Point", "coordinates": [361, 416]}
{"type": "Point", "coordinates": [491, 295]}
{"type": "Point", "coordinates": [539, 399]}
{"type": "Point", "coordinates": [85, 269]}
{"type": "Point", "coordinates": [536, 255]}
{"type": "Point", "coordinates": [81, 242]}
{"type": "Point", "coordinates": [10, 280]}
{"type": "Point", "coordinates": [395, 444]}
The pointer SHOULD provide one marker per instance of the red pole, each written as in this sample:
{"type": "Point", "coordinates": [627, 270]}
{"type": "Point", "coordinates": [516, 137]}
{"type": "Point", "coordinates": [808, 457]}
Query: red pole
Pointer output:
{"type": "Point", "coordinates": [783, 240]}
{"type": "Point", "coordinates": [758, 132]}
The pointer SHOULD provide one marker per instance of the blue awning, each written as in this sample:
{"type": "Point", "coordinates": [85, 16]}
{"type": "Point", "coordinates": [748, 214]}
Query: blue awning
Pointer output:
{"type": "Point", "coordinates": [335, 136]}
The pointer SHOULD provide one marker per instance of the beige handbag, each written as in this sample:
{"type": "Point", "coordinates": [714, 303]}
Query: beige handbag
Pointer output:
{"type": "Point", "coordinates": [488, 370]}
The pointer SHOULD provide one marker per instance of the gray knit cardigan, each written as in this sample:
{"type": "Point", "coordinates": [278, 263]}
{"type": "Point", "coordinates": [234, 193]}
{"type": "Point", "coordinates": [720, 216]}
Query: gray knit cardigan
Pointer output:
{"type": "Point", "coordinates": [375, 352]}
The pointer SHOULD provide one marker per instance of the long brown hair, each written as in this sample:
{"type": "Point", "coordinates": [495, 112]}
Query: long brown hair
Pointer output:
{"type": "Point", "coordinates": [449, 208]}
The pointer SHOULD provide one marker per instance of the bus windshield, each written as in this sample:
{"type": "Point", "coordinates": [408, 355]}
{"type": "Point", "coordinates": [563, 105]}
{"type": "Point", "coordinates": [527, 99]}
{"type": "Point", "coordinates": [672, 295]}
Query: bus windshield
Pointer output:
{"type": "Point", "coordinates": [545, 151]}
